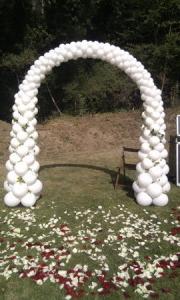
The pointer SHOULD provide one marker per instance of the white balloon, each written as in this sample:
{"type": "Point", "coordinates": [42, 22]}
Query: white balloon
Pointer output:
{"type": "Point", "coordinates": [160, 121]}
{"type": "Point", "coordinates": [30, 129]}
{"type": "Point", "coordinates": [162, 163]}
{"type": "Point", "coordinates": [36, 187]}
{"type": "Point", "coordinates": [162, 200]}
{"type": "Point", "coordinates": [30, 177]}
{"type": "Point", "coordinates": [12, 134]}
{"type": "Point", "coordinates": [163, 140]}
{"type": "Point", "coordinates": [35, 111]}
{"type": "Point", "coordinates": [12, 177]}
{"type": "Point", "coordinates": [155, 172]}
{"type": "Point", "coordinates": [28, 200]}
{"type": "Point", "coordinates": [163, 127]}
{"type": "Point", "coordinates": [16, 128]}
{"type": "Point", "coordinates": [166, 169]}
{"type": "Point", "coordinates": [163, 180]}
{"type": "Point", "coordinates": [34, 135]}
{"type": "Point", "coordinates": [146, 133]}
{"type": "Point", "coordinates": [141, 155]}
{"type": "Point", "coordinates": [149, 110]}
{"type": "Point", "coordinates": [139, 168]}
{"type": "Point", "coordinates": [164, 153]}
{"type": "Point", "coordinates": [154, 104]}
{"type": "Point", "coordinates": [31, 106]}
{"type": "Point", "coordinates": [137, 188]}
{"type": "Point", "coordinates": [22, 136]}
{"type": "Point", "coordinates": [149, 121]}
{"type": "Point", "coordinates": [7, 186]}
{"type": "Point", "coordinates": [35, 100]}
{"type": "Point", "coordinates": [14, 158]}
{"type": "Point", "coordinates": [144, 180]}
{"type": "Point", "coordinates": [29, 159]}
{"type": "Point", "coordinates": [143, 199]}
{"type": "Point", "coordinates": [36, 150]}
{"type": "Point", "coordinates": [146, 91]}
{"type": "Point", "coordinates": [22, 120]}
{"type": "Point", "coordinates": [17, 100]}
{"type": "Point", "coordinates": [29, 115]}
{"type": "Point", "coordinates": [11, 200]}
{"type": "Point", "coordinates": [33, 122]}
{"type": "Point", "coordinates": [14, 107]}
{"type": "Point", "coordinates": [159, 147]}
{"type": "Point", "coordinates": [29, 143]}
{"type": "Point", "coordinates": [154, 190]}
{"type": "Point", "coordinates": [154, 140]}
{"type": "Point", "coordinates": [154, 155]}
{"type": "Point", "coordinates": [20, 189]}
{"type": "Point", "coordinates": [147, 163]}
{"type": "Point", "coordinates": [42, 76]}
{"type": "Point", "coordinates": [144, 116]}
{"type": "Point", "coordinates": [16, 115]}
{"type": "Point", "coordinates": [155, 115]}
{"type": "Point", "coordinates": [21, 168]}
{"type": "Point", "coordinates": [163, 114]}
{"type": "Point", "coordinates": [22, 108]}
{"type": "Point", "coordinates": [32, 93]}
{"type": "Point", "coordinates": [142, 139]}
{"type": "Point", "coordinates": [145, 148]}
{"type": "Point", "coordinates": [26, 99]}
{"type": "Point", "coordinates": [162, 132]}
{"type": "Point", "coordinates": [155, 127]}
{"type": "Point", "coordinates": [166, 188]}
{"type": "Point", "coordinates": [9, 166]}
{"type": "Point", "coordinates": [35, 167]}
{"type": "Point", "coordinates": [22, 150]}
{"type": "Point", "coordinates": [14, 142]}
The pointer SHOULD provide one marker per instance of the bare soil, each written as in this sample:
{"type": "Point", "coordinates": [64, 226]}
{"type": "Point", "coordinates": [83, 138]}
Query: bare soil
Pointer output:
{"type": "Point", "coordinates": [99, 133]}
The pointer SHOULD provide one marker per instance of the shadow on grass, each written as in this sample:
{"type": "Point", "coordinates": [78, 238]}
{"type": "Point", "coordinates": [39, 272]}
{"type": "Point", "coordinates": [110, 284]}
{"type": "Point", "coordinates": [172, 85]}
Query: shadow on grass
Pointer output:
{"type": "Point", "coordinates": [125, 182]}
{"type": "Point", "coordinates": [127, 187]}
{"type": "Point", "coordinates": [112, 173]}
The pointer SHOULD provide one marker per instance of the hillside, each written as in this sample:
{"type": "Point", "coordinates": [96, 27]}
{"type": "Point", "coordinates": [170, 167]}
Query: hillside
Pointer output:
{"type": "Point", "coordinates": [89, 134]}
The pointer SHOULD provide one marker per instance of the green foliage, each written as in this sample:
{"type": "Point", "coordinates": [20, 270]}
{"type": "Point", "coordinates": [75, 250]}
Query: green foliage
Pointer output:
{"type": "Point", "coordinates": [147, 29]}
{"type": "Point", "coordinates": [37, 38]}
{"type": "Point", "coordinates": [101, 88]}
{"type": "Point", "coordinates": [18, 62]}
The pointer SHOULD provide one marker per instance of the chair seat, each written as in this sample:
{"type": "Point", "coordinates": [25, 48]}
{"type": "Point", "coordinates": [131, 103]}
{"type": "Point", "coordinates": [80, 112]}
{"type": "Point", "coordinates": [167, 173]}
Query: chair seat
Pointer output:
{"type": "Point", "coordinates": [130, 166]}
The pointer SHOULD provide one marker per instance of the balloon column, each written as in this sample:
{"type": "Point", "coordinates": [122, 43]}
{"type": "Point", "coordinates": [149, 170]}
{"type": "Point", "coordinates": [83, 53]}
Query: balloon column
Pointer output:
{"type": "Point", "coordinates": [22, 183]}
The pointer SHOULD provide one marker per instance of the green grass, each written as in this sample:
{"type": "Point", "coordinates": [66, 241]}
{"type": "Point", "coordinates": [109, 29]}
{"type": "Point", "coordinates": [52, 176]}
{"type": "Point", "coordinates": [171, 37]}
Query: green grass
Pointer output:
{"type": "Point", "coordinates": [78, 186]}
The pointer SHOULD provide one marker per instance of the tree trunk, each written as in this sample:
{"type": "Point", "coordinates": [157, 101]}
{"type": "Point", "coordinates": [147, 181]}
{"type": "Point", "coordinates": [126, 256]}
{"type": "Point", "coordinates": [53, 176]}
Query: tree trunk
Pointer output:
{"type": "Point", "coordinates": [53, 100]}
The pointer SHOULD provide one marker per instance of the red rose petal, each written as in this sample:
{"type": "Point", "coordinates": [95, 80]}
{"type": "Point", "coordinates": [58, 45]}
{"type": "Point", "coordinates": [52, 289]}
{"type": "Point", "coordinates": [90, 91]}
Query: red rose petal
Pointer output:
{"type": "Point", "coordinates": [166, 290]}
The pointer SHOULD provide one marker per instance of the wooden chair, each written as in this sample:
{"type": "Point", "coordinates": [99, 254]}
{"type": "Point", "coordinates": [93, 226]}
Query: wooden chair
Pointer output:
{"type": "Point", "coordinates": [125, 163]}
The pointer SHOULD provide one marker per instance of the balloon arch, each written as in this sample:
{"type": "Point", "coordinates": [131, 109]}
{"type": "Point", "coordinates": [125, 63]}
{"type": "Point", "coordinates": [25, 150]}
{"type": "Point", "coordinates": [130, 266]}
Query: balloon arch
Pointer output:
{"type": "Point", "coordinates": [22, 183]}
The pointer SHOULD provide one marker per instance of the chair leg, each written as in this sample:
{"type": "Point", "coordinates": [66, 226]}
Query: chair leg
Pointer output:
{"type": "Point", "coordinates": [117, 178]}
{"type": "Point", "coordinates": [124, 172]}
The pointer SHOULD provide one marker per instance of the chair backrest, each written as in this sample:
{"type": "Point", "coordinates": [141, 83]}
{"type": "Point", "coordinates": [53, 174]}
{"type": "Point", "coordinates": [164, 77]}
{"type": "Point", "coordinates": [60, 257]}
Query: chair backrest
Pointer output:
{"type": "Point", "coordinates": [128, 150]}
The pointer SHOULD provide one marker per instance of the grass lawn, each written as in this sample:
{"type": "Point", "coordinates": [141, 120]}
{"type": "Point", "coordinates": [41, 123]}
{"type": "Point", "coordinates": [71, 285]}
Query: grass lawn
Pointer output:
{"type": "Point", "coordinates": [83, 239]}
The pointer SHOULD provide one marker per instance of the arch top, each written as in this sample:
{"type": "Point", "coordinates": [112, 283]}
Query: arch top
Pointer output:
{"type": "Point", "coordinates": [89, 49]}
{"type": "Point", "coordinates": [22, 183]}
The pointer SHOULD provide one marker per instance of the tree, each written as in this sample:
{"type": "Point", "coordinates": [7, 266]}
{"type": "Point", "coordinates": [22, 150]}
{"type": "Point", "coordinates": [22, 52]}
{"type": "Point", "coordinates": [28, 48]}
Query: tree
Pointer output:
{"type": "Point", "coordinates": [147, 29]}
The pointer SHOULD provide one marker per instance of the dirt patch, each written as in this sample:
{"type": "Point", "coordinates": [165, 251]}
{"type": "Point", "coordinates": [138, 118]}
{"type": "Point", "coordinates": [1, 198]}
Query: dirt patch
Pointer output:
{"type": "Point", "coordinates": [92, 134]}
{"type": "Point", "coordinates": [97, 133]}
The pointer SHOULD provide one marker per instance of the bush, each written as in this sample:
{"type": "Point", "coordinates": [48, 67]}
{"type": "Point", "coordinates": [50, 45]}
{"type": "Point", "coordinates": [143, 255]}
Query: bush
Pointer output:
{"type": "Point", "coordinates": [99, 88]}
